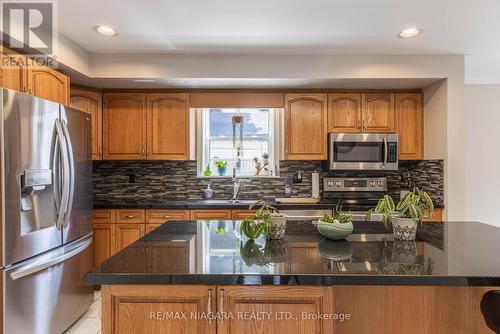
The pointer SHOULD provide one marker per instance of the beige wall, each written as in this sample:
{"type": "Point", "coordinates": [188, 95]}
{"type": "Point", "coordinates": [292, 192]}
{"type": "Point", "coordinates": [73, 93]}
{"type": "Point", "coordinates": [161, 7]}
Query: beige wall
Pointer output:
{"type": "Point", "coordinates": [482, 153]}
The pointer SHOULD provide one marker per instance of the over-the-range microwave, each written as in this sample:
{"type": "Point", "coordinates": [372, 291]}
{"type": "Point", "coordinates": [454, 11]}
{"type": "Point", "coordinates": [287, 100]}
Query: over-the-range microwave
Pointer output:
{"type": "Point", "coordinates": [363, 151]}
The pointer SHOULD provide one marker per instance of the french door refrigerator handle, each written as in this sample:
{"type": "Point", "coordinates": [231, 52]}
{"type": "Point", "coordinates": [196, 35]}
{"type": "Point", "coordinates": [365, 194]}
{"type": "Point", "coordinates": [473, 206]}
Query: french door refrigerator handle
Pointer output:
{"type": "Point", "coordinates": [32, 268]}
{"type": "Point", "coordinates": [71, 179]}
{"type": "Point", "coordinates": [56, 170]}
{"type": "Point", "coordinates": [65, 176]}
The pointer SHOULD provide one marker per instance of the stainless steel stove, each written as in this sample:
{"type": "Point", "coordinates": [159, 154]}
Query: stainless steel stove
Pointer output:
{"type": "Point", "coordinates": [357, 195]}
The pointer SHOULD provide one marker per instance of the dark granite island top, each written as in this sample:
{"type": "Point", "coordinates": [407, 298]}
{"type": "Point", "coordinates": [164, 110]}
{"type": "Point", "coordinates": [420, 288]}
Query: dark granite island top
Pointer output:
{"type": "Point", "coordinates": [214, 252]}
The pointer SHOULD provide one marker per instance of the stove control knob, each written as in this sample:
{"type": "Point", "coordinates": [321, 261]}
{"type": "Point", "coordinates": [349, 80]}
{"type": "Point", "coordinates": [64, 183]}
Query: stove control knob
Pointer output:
{"type": "Point", "coordinates": [338, 183]}
{"type": "Point", "coordinates": [380, 183]}
{"type": "Point", "coordinates": [330, 183]}
{"type": "Point", "coordinates": [372, 183]}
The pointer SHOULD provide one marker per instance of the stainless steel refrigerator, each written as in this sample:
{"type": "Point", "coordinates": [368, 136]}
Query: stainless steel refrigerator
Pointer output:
{"type": "Point", "coordinates": [46, 213]}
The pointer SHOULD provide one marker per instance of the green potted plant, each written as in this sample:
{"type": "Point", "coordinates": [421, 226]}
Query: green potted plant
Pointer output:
{"type": "Point", "coordinates": [405, 216]}
{"type": "Point", "coordinates": [253, 229]}
{"type": "Point", "coordinates": [221, 167]}
{"type": "Point", "coordinates": [335, 227]}
{"type": "Point", "coordinates": [276, 219]}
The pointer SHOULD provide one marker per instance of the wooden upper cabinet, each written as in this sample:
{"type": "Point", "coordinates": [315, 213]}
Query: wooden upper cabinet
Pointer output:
{"type": "Point", "coordinates": [344, 112]}
{"type": "Point", "coordinates": [90, 101]}
{"type": "Point", "coordinates": [306, 127]}
{"type": "Point", "coordinates": [410, 125]}
{"type": "Point", "coordinates": [12, 76]}
{"type": "Point", "coordinates": [124, 126]}
{"type": "Point", "coordinates": [378, 112]}
{"type": "Point", "coordinates": [48, 84]}
{"type": "Point", "coordinates": [168, 126]}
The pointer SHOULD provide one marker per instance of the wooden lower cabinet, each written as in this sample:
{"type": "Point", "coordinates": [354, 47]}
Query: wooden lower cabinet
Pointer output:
{"type": "Point", "coordinates": [152, 309]}
{"type": "Point", "coordinates": [126, 234]}
{"type": "Point", "coordinates": [242, 214]}
{"type": "Point", "coordinates": [281, 309]}
{"type": "Point", "coordinates": [104, 242]}
{"type": "Point", "coordinates": [239, 309]}
{"type": "Point", "coordinates": [210, 214]}
{"type": "Point", "coordinates": [438, 216]}
{"type": "Point", "coordinates": [156, 216]}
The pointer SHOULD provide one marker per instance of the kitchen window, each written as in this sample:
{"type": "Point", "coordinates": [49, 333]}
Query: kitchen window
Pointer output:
{"type": "Point", "coordinates": [246, 148]}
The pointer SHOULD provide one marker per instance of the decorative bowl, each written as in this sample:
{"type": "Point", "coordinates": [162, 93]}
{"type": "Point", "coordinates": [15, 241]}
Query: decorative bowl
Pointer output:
{"type": "Point", "coordinates": [334, 231]}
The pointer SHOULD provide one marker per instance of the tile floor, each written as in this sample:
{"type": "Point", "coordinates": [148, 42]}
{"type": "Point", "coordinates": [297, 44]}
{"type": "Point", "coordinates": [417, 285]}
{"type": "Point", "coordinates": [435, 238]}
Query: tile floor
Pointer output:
{"type": "Point", "coordinates": [90, 322]}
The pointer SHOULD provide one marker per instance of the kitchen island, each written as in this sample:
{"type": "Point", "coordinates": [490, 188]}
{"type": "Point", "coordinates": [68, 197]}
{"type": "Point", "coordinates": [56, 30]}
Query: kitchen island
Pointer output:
{"type": "Point", "coordinates": [204, 277]}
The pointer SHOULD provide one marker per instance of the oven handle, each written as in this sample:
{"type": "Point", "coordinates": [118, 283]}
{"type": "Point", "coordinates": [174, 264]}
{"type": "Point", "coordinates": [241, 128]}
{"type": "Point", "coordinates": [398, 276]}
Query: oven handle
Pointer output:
{"type": "Point", "coordinates": [37, 266]}
{"type": "Point", "coordinates": [385, 152]}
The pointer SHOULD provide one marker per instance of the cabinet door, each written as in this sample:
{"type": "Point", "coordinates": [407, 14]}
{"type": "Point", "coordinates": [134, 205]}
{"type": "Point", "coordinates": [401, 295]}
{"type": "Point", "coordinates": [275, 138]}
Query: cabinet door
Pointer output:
{"type": "Point", "coordinates": [48, 83]}
{"type": "Point", "coordinates": [378, 112]}
{"type": "Point", "coordinates": [103, 216]}
{"type": "Point", "coordinates": [154, 216]}
{"type": "Point", "coordinates": [242, 214]}
{"type": "Point", "coordinates": [168, 126]}
{"type": "Point", "coordinates": [278, 300]}
{"type": "Point", "coordinates": [438, 216]}
{"type": "Point", "coordinates": [211, 214]}
{"type": "Point", "coordinates": [90, 101]}
{"type": "Point", "coordinates": [344, 112]}
{"type": "Point", "coordinates": [410, 125]}
{"type": "Point", "coordinates": [104, 242]}
{"type": "Point", "coordinates": [306, 127]}
{"type": "Point", "coordinates": [11, 75]}
{"type": "Point", "coordinates": [124, 126]}
{"type": "Point", "coordinates": [126, 234]}
{"type": "Point", "coordinates": [144, 309]}
{"type": "Point", "coordinates": [130, 216]}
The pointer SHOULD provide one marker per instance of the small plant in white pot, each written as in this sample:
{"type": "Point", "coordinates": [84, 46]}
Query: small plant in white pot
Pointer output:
{"type": "Point", "coordinates": [276, 219]}
{"type": "Point", "coordinates": [335, 227]}
{"type": "Point", "coordinates": [406, 215]}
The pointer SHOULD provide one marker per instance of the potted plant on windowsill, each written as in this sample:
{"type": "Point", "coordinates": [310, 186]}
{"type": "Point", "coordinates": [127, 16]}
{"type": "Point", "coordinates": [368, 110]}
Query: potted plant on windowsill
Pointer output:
{"type": "Point", "coordinates": [276, 219]}
{"type": "Point", "coordinates": [221, 167]}
{"type": "Point", "coordinates": [405, 216]}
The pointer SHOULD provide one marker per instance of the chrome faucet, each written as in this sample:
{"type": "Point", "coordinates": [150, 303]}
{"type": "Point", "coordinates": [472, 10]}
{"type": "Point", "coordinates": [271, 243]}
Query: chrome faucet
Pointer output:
{"type": "Point", "coordinates": [236, 187]}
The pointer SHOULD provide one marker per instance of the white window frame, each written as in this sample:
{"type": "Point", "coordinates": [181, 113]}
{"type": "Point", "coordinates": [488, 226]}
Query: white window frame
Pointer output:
{"type": "Point", "coordinates": [274, 137]}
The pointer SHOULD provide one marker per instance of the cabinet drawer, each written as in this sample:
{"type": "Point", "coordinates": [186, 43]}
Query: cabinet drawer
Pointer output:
{"type": "Point", "coordinates": [211, 214]}
{"type": "Point", "coordinates": [161, 216]}
{"type": "Point", "coordinates": [104, 216]}
{"type": "Point", "coordinates": [130, 216]}
{"type": "Point", "coordinates": [242, 214]}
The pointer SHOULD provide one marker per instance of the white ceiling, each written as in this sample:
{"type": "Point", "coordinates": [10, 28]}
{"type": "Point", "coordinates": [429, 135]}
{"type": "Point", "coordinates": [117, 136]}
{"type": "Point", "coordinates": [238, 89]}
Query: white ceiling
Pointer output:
{"type": "Point", "coordinates": [305, 27]}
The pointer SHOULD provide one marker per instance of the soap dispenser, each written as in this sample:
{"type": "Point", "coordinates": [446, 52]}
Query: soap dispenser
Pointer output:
{"type": "Point", "coordinates": [209, 193]}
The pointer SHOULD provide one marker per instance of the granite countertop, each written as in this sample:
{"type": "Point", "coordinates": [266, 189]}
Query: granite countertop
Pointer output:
{"type": "Point", "coordinates": [201, 252]}
{"type": "Point", "coordinates": [212, 204]}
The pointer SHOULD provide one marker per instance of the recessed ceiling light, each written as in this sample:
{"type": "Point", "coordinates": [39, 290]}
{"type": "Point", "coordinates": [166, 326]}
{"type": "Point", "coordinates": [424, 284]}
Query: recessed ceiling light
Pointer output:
{"type": "Point", "coordinates": [106, 30]}
{"type": "Point", "coordinates": [144, 80]}
{"type": "Point", "coordinates": [410, 32]}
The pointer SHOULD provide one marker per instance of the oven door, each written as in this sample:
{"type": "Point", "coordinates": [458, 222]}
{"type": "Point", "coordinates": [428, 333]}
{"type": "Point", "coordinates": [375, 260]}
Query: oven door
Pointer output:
{"type": "Point", "coordinates": [363, 151]}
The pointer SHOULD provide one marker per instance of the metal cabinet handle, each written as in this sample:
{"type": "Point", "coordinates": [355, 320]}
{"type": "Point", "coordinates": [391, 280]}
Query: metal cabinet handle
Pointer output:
{"type": "Point", "coordinates": [359, 124]}
{"type": "Point", "coordinates": [221, 305]}
{"type": "Point", "coordinates": [130, 216]}
{"type": "Point", "coordinates": [143, 152]}
{"type": "Point", "coordinates": [166, 216]}
{"type": "Point", "coordinates": [363, 125]}
{"type": "Point", "coordinates": [209, 306]}
{"type": "Point", "coordinates": [100, 152]}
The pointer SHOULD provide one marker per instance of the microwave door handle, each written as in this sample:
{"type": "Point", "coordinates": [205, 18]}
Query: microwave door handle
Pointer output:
{"type": "Point", "coordinates": [385, 152]}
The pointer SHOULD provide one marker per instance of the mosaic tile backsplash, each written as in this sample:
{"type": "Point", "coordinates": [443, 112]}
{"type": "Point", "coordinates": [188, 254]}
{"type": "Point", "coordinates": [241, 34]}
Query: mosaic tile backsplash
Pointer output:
{"type": "Point", "coordinates": [177, 180]}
